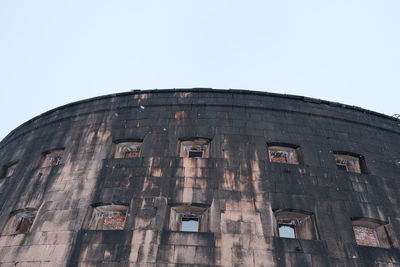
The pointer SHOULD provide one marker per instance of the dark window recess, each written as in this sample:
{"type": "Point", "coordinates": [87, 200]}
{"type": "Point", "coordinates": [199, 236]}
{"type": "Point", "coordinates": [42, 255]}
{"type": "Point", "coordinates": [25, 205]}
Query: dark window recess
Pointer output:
{"type": "Point", "coordinates": [189, 224]}
{"type": "Point", "coordinates": [107, 217]}
{"type": "Point", "coordinates": [341, 166]}
{"type": "Point", "coordinates": [370, 232]}
{"type": "Point", "coordinates": [195, 154]}
{"type": "Point", "coordinates": [52, 158]}
{"type": "Point", "coordinates": [350, 162]}
{"type": "Point", "coordinates": [128, 150]}
{"type": "Point", "coordinates": [284, 154]}
{"type": "Point", "coordinates": [9, 170]}
{"type": "Point", "coordinates": [195, 148]}
{"type": "Point", "coordinates": [20, 221]}
{"type": "Point", "coordinates": [296, 224]}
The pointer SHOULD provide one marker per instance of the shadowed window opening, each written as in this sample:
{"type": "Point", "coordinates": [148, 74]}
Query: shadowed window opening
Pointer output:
{"type": "Point", "coordinates": [296, 224]}
{"type": "Point", "coordinates": [195, 154]}
{"type": "Point", "coordinates": [52, 158]}
{"type": "Point", "coordinates": [128, 150]}
{"type": "Point", "coordinates": [281, 153]}
{"type": "Point", "coordinates": [341, 166]}
{"type": "Point", "coordinates": [195, 148]}
{"type": "Point", "coordinates": [9, 170]}
{"type": "Point", "coordinates": [108, 217]}
{"type": "Point", "coordinates": [372, 233]}
{"type": "Point", "coordinates": [20, 221]}
{"type": "Point", "coordinates": [350, 163]}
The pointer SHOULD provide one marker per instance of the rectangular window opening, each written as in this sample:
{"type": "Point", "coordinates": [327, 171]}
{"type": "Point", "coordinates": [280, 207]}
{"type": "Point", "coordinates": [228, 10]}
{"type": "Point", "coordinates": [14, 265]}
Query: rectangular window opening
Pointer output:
{"type": "Point", "coordinates": [366, 236]}
{"type": "Point", "coordinates": [190, 224]}
{"type": "Point", "coordinates": [53, 158]}
{"type": "Point", "coordinates": [107, 217]}
{"type": "Point", "coordinates": [196, 148]}
{"type": "Point", "coordinates": [195, 154]}
{"type": "Point", "coordinates": [23, 225]}
{"type": "Point", "coordinates": [9, 170]}
{"type": "Point", "coordinates": [295, 224]}
{"type": "Point", "coordinates": [283, 154]}
{"type": "Point", "coordinates": [188, 218]}
{"type": "Point", "coordinates": [350, 163]}
{"type": "Point", "coordinates": [287, 231]}
{"type": "Point", "coordinates": [20, 222]}
{"type": "Point", "coordinates": [128, 150]}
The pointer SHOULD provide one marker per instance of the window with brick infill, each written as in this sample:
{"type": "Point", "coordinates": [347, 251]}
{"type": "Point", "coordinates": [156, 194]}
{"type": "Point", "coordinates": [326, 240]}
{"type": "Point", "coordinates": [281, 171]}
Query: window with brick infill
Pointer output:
{"type": "Point", "coordinates": [283, 153]}
{"type": "Point", "coordinates": [372, 233]}
{"type": "Point", "coordinates": [107, 217]}
{"type": "Point", "coordinates": [128, 149]}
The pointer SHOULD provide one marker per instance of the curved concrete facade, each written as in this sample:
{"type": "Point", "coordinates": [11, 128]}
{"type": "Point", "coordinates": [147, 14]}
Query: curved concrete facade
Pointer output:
{"type": "Point", "coordinates": [114, 181]}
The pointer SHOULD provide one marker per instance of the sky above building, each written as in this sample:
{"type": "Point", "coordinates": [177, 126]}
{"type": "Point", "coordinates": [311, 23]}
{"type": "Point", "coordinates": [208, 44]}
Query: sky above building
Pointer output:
{"type": "Point", "coordinates": [56, 52]}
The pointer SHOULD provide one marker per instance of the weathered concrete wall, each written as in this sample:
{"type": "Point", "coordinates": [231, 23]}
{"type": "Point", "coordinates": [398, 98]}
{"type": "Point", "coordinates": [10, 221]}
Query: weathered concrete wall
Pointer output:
{"type": "Point", "coordinates": [237, 183]}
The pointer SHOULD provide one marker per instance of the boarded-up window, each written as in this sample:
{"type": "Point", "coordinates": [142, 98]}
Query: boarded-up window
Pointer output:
{"type": "Point", "coordinates": [52, 158]}
{"type": "Point", "coordinates": [128, 150]}
{"type": "Point", "coordinates": [373, 233]}
{"type": "Point", "coordinates": [195, 148]}
{"type": "Point", "coordinates": [20, 221]}
{"type": "Point", "coordinates": [283, 154]}
{"type": "Point", "coordinates": [107, 217]}
{"type": "Point", "coordinates": [296, 224]}
{"type": "Point", "coordinates": [188, 218]}
{"type": "Point", "coordinates": [9, 169]}
{"type": "Point", "coordinates": [349, 163]}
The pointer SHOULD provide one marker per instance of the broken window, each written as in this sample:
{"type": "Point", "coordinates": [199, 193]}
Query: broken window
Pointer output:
{"type": "Point", "coordinates": [52, 158]}
{"type": "Point", "coordinates": [295, 224]}
{"type": "Point", "coordinates": [195, 148]}
{"type": "Point", "coordinates": [188, 218]}
{"type": "Point", "coordinates": [128, 150]}
{"type": "Point", "coordinates": [20, 221]}
{"type": "Point", "coordinates": [350, 163]}
{"type": "Point", "coordinates": [9, 170]}
{"type": "Point", "coordinates": [107, 217]}
{"type": "Point", "coordinates": [283, 153]}
{"type": "Point", "coordinates": [370, 232]}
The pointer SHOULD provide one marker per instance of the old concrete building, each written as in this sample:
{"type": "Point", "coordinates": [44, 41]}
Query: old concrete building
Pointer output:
{"type": "Point", "coordinates": [201, 177]}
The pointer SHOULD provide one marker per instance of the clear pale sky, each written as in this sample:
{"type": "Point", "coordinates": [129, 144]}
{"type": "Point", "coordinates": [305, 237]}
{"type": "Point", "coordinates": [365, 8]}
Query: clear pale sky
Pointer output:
{"type": "Point", "coordinates": [55, 52]}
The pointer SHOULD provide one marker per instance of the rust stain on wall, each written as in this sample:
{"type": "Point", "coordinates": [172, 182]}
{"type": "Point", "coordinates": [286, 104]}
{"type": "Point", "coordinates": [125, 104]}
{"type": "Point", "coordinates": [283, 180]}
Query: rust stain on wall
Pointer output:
{"type": "Point", "coordinates": [99, 207]}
